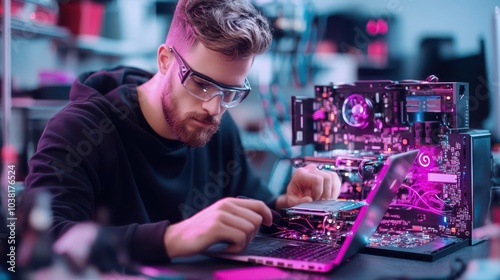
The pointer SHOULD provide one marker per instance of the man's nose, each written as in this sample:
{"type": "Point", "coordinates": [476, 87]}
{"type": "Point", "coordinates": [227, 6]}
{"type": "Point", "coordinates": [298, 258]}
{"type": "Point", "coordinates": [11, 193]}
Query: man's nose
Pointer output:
{"type": "Point", "coordinates": [213, 105]}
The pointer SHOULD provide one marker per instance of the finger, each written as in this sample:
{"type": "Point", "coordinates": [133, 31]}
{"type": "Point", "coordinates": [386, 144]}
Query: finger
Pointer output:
{"type": "Point", "coordinates": [337, 183]}
{"type": "Point", "coordinates": [331, 183]}
{"type": "Point", "coordinates": [255, 206]}
{"type": "Point", "coordinates": [305, 199]}
{"type": "Point", "coordinates": [316, 184]}
{"type": "Point", "coordinates": [331, 189]}
{"type": "Point", "coordinates": [248, 225]}
{"type": "Point", "coordinates": [292, 199]}
{"type": "Point", "coordinates": [327, 185]}
{"type": "Point", "coordinates": [252, 220]}
{"type": "Point", "coordinates": [317, 187]}
{"type": "Point", "coordinates": [236, 238]}
{"type": "Point", "coordinates": [313, 179]}
{"type": "Point", "coordinates": [240, 222]}
{"type": "Point", "coordinates": [215, 226]}
{"type": "Point", "coordinates": [230, 228]}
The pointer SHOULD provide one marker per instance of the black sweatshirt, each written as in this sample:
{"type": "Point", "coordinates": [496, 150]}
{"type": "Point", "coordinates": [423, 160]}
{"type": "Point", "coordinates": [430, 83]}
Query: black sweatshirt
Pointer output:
{"type": "Point", "coordinates": [99, 155]}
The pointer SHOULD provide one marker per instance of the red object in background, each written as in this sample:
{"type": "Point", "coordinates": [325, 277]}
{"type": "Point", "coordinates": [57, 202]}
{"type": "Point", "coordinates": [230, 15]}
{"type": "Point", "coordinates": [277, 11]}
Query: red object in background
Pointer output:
{"type": "Point", "coordinates": [16, 8]}
{"type": "Point", "coordinates": [9, 154]}
{"type": "Point", "coordinates": [82, 17]}
{"type": "Point", "coordinates": [378, 52]}
{"type": "Point", "coordinates": [44, 13]}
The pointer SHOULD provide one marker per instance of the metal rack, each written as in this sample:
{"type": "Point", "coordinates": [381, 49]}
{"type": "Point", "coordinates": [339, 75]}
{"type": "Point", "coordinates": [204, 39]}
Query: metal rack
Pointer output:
{"type": "Point", "coordinates": [6, 95]}
{"type": "Point", "coordinates": [6, 75]}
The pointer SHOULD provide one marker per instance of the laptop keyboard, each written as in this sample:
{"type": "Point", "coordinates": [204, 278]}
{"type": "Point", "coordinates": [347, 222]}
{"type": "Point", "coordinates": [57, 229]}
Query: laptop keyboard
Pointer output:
{"type": "Point", "coordinates": [304, 252]}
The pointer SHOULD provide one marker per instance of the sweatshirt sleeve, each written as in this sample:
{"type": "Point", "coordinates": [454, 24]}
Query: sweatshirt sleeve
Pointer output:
{"type": "Point", "coordinates": [70, 169]}
{"type": "Point", "coordinates": [146, 243]}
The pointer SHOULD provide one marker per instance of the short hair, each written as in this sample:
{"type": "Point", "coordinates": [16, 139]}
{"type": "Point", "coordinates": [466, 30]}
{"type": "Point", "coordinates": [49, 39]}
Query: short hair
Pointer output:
{"type": "Point", "coordinates": [232, 27]}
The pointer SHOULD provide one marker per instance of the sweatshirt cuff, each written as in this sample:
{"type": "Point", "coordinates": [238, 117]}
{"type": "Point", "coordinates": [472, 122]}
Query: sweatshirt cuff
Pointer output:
{"type": "Point", "coordinates": [147, 245]}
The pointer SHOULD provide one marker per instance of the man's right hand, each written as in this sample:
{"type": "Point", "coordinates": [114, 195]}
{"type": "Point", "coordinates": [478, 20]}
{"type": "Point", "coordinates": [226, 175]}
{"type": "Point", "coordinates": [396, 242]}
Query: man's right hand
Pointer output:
{"type": "Point", "coordinates": [231, 220]}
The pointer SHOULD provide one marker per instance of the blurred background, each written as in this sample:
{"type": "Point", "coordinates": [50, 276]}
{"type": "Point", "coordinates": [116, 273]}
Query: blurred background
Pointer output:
{"type": "Point", "coordinates": [316, 42]}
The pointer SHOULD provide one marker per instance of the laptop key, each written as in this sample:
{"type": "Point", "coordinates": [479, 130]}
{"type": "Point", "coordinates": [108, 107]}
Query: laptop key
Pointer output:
{"type": "Point", "coordinates": [305, 252]}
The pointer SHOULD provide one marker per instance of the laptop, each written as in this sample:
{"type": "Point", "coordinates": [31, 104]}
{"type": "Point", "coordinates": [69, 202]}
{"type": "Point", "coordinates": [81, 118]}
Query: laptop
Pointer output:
{"type": "Point", "coordinates": [320, 256]}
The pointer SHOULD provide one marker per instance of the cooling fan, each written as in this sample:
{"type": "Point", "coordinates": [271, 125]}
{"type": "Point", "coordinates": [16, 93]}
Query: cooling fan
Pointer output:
{"type": "Point", "coordinates": [357, 111]}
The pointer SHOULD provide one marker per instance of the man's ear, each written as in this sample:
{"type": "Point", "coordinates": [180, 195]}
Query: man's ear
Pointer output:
{"type": "Point", "coordinates": [164, 58]}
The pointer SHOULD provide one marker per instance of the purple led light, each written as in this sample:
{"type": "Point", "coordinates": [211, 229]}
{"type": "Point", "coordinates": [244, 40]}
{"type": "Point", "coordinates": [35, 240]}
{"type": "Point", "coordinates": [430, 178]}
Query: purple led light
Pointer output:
{"type": "Point", "coordinates": [318, 115]}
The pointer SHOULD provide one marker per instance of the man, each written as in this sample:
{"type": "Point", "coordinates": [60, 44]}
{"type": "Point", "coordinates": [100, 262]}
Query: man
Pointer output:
{"type": "Point", "coordinates": [153, 158]}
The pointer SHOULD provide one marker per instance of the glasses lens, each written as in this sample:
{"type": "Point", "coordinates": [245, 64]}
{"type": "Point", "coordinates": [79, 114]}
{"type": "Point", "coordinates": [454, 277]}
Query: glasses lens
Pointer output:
{"type": "Point", "coordinates": [206, 90]}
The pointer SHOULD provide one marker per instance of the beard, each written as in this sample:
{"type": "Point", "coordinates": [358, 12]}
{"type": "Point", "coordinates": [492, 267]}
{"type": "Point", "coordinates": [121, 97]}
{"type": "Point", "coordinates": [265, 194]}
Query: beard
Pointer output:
{"type": "Point", "coordinates": [194, 137]}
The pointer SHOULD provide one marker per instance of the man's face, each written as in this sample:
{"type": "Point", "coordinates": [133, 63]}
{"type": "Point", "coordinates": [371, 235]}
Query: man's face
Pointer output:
{"type": "Point", "coordinates": [194, 121]}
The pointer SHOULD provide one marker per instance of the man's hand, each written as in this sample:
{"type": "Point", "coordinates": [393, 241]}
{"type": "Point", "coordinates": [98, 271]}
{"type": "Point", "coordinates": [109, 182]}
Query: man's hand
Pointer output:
{"type": "Point", "coordinates": [309, 183]}
{"type": "Point", "coordinates": [232, 220]}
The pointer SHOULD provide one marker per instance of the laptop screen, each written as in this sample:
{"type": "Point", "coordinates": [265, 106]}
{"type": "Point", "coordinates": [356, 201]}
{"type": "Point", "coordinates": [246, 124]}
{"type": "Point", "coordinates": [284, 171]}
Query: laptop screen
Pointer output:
{"type": "Point", "coordinates": [385, 188]}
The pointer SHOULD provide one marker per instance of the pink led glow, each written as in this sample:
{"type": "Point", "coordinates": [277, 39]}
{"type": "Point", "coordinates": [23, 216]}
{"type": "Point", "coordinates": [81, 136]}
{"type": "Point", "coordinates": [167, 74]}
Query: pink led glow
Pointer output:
{"type": "Point", "coordinates": [374, 27]}
{"type": "Point", "coordinates": [319, 115]}
{"type": "Point", "coordinates": [371, 27]}
{"type": "Point", "coordinates": [158, 272]}
{"type": "Point", "coordinates": [252, 273]}
{"type": "Point", "coordinates": [382, 26]}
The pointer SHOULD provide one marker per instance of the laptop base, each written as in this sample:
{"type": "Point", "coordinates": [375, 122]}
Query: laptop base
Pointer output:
{"type": "Point", "coordinates": [431, 251]}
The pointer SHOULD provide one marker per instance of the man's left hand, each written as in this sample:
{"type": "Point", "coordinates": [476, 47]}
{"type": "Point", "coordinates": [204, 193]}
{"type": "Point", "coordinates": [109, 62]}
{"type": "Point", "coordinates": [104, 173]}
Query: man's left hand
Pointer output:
{"type": "Point", "coordinates": [308, 184]}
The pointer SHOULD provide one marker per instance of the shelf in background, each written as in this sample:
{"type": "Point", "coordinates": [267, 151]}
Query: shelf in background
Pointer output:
{"type": "Point", "coordinates": [97, 45]}
{"type": "Point", "coordinates": [109, 47]}
{"type": "Point", "coordinates": [40, 104]}
{"type": "Point", "coordinates": [28, 30]}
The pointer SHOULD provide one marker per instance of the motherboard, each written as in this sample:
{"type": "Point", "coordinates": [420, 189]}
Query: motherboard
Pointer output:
{"type": "Point", "coordinates": [355, 127]}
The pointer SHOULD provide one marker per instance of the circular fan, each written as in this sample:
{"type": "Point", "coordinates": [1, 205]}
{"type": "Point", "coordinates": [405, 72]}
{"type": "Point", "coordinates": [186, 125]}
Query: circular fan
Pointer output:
{"type": "Point", "coordinates": [356, 111]}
